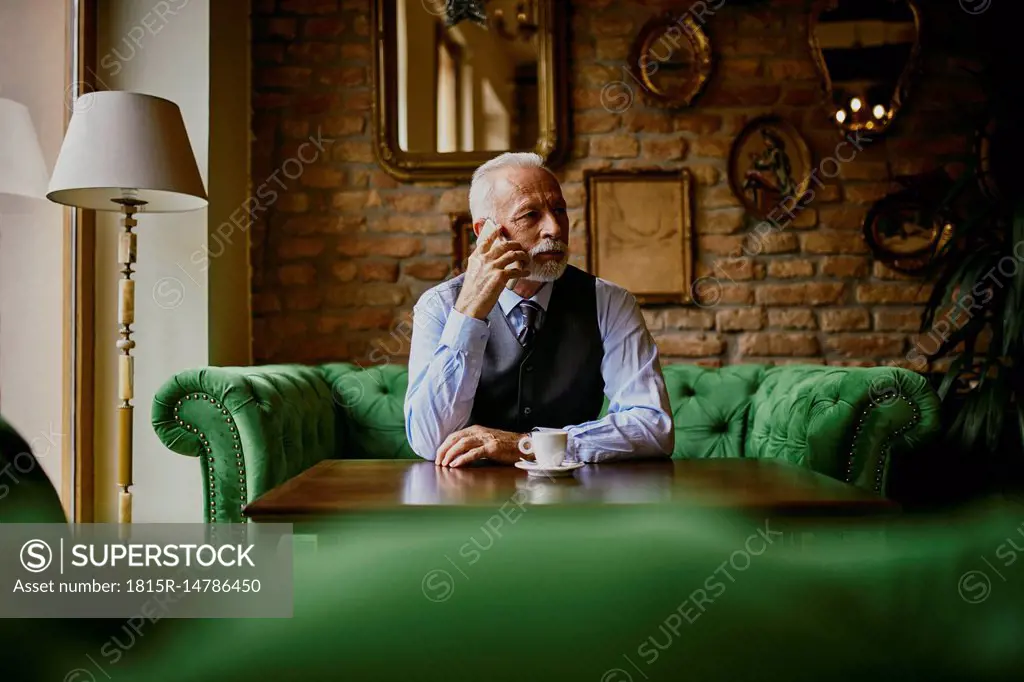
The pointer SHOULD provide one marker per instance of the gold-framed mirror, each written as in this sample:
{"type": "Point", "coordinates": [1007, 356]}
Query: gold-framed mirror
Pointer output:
{"type": "Point", "coordinates": [446, 99]}
{"type": "Point", "coordinates": [671, 57]}
{"type": "Point", "coordinates": [866, 52]}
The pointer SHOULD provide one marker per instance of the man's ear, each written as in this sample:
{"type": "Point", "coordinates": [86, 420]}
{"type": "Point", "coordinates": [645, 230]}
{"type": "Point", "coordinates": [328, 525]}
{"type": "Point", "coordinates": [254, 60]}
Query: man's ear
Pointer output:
{"type": "Point", "coordinates": [478, 225]}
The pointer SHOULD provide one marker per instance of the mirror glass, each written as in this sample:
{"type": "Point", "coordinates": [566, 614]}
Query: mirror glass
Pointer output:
{"type": "Point", "coordinates": [671, 57]}
{"type": "Point", "coordinates": [675, 73]}
{"type": "Point", "coordinates": [865, 49]}
{"type": "Point", "coordinates": [467, 88]}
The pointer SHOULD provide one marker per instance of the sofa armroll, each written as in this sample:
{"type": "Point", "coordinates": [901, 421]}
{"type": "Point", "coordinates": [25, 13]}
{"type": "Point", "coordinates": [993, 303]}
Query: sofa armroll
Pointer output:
{"type": "Point", "coordinates": [252, 428]}
{"type": "Point", "coordinates": [847, 423]}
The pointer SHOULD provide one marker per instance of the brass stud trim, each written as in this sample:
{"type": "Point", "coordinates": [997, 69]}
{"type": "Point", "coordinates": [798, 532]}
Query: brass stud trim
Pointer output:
{"type": "Point", "coordinates": [886, 444]}
{"type": "Point", "coordinates": [206, 449]}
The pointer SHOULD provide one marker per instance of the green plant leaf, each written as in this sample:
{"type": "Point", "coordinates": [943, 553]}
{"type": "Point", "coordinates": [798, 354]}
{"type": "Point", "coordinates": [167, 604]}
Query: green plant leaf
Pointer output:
{"type": "Point", "coordinates": [958, 283]}
{"type": "Point", "coordinates": [1008, 330]}
{"type": "Point", "coordinates": [991, 361]}
{"type": "Point", "coordinates": [998, 401]}
{"type": "Point", "coordinates": [1013, 314]}
{"type": "Point", "coordinates": [970, 420]}
{"type": "Point", "coordinates": [967, 332]}
{"type": "Point", "coordinates": [954, 371]}
{"type": "Point", "coordinates": [987, 234]}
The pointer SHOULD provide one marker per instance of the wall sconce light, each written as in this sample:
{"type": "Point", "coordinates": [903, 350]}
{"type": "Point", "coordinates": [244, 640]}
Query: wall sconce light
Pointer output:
{"type": "Point", "coordinates": [525, 28]}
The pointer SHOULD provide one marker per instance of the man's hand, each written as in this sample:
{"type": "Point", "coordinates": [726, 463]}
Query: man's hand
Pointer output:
{"type": "Point", "coordinates": [486, 274]}
{"type": "Point", "coordinates": [479, 442]}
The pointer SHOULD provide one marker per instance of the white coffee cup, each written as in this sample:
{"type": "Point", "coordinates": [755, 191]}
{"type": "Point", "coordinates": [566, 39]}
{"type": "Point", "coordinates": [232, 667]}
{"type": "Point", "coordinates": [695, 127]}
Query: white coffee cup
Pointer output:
{"type": "Point", "coordinates": [547, 447]}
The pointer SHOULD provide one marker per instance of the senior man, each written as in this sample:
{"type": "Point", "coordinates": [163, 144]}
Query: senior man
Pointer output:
{"type": "Point", "coordinates": [489, 364]}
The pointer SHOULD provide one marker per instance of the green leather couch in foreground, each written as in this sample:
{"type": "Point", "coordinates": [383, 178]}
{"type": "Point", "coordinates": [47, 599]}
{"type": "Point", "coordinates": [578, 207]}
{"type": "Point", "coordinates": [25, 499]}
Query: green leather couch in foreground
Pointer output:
{"type": "Point", "coordinates": [605, 594]}
{"type": "Point", "coordinates": [252, 428]}
{"type": "Point", "coordinates": [595, 595]}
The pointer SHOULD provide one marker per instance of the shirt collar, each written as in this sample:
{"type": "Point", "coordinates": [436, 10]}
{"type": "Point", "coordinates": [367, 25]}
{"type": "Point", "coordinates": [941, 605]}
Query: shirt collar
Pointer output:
{"type": "Point", "coordinates": [508, 299]}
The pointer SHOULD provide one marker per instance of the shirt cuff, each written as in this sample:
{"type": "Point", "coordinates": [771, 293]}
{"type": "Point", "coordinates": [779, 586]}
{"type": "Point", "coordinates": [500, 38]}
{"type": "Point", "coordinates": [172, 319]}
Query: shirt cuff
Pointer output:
{"type": "Point", "coordinates": [571, 455]}
{"type": "Point", "coordinates": [465, 333]}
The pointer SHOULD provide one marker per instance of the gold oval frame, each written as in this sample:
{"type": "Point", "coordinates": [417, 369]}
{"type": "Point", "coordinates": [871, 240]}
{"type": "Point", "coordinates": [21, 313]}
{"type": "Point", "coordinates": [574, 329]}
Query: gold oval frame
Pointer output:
{"type": "Point", "coordinates": [803, 151]}
{"type": "Point", "coordinates": [553, 141]}
{"type": "Point", "coordinates": [902, 83]}
{"type": "Point", "coordinates": [918, 261]}
{"type": "Point", "coordinates": [699, 43]}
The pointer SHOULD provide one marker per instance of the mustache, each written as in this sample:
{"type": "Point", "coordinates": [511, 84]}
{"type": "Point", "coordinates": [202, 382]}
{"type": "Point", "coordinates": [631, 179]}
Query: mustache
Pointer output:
{"type": "Point", "coordinates": [549, 246]}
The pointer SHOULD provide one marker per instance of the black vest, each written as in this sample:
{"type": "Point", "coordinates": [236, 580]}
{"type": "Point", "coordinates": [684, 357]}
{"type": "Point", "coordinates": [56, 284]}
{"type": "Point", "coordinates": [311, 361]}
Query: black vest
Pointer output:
{"type": "Point", "coordinates": [558, 382]}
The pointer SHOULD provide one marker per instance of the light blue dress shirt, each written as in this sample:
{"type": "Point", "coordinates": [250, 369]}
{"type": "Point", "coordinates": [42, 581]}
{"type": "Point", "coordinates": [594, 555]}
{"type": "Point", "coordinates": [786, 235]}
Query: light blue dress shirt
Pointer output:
{"type": "Point", "coordinates": [447, 356]}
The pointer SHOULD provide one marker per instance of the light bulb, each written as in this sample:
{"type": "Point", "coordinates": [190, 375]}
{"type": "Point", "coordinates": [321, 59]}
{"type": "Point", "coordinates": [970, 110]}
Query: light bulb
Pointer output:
{"type": "Point", "coordinates": [878, 111]}
{"type": "Point", "coordinates": [855, 104]}
{"type": "Point", "coordinates": [840, 115]}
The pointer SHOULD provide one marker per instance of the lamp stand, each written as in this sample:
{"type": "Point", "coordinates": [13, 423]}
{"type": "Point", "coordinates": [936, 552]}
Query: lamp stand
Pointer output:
{"type": "Point", "coordinates": [126, 363]}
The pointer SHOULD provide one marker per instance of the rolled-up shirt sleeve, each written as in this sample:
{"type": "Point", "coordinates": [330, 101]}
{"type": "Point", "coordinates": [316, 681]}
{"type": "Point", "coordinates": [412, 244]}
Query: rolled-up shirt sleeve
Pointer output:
{"type": "Point", "coordinates": [639, 420]}
{"type": "Point", "coordinates": [445, 362]}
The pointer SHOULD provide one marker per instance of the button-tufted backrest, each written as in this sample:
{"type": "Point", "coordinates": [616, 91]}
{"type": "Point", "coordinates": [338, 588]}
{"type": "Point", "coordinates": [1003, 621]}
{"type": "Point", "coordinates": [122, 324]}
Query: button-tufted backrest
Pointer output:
{"type": "Point", "coordinates": [369, 404]}
{"type": "Point", "coordinates": [710, 407]}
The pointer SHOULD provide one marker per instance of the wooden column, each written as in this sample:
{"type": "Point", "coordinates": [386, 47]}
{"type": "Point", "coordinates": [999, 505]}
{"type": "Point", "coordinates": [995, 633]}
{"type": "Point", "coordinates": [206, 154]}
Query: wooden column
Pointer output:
{"type": "Point", "coordinates": [126, 363]}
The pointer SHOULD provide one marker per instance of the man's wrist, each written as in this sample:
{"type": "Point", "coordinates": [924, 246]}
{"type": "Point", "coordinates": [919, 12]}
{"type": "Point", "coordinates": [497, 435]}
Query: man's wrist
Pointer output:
{"type": "Point", "coordinates": [469, 310]}
{"type": "Point", "coordinates": [519, 439]}
{"type": "Point", "coordinates": [459, 308]}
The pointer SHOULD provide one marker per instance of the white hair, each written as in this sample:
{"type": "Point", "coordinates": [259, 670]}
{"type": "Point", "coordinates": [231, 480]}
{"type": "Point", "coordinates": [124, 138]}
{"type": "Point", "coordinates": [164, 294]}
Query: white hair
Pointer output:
{"type": "Point", "coordinates": [481, 189]}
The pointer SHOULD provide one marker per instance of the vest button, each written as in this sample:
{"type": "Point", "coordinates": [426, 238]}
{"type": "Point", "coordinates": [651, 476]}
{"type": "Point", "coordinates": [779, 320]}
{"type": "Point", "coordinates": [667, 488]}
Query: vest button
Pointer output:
{"type": "Point", "coordinates": [527, 410]}
{"type": "Point", "coordinates": [529, 368]}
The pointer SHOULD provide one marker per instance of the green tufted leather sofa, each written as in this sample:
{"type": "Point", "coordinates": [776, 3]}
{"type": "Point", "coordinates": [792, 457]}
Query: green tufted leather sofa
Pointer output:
{"type": "Point", "coordinates": [253, 428]}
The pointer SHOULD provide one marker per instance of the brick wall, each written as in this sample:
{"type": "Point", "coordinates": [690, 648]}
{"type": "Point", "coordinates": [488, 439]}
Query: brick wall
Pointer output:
{"type": "Point", "coordinates": [343, 252]}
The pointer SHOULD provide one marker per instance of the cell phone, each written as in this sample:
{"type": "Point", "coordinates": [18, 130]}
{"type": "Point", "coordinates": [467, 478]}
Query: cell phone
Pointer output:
{"type": "Point", "coordinates": [487, 230]}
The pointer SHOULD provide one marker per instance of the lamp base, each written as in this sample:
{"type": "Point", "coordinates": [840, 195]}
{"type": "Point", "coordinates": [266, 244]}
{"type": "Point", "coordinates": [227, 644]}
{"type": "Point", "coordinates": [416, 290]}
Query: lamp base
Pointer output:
{"type": "Point", "coordinates": [124, 507]}
{"type": "Point", "coordinates": [126, 363]}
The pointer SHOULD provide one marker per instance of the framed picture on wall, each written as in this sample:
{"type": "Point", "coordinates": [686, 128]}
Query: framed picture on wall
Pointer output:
{"type": "Point", "coordinates": [463, 240]}
{"type": "Point", "coordinates": [640, 228]}
{"type": "Point", "coordinates": [770, 166]}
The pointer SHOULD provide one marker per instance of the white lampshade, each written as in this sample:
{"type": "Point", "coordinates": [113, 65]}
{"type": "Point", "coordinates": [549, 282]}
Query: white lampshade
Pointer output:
{"type": "Point", "coordinates": [125, 144]}
{"type": "Point", "coordinates": [22, 169]}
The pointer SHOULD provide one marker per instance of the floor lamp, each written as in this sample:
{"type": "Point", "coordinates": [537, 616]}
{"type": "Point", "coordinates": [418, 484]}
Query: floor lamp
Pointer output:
{"type": "Point", "coordinates": [126, 152]}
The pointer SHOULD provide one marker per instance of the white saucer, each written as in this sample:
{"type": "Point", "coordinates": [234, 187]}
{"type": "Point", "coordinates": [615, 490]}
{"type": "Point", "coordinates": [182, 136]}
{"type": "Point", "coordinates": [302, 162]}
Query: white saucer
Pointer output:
{"type": "Point", "coordinates": [534, 469]}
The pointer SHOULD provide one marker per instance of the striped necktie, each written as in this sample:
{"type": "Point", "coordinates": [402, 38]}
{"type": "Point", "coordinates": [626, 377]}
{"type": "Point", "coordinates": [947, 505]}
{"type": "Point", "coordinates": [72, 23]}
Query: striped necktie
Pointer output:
{"type": "Point", "coordinates": [531, 315]}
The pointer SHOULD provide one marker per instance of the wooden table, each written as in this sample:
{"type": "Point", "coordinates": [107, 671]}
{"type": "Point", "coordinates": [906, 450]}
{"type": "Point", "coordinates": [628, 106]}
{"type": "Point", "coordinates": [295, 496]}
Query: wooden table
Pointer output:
{"type": "Point", "coordinates": [335, 487]}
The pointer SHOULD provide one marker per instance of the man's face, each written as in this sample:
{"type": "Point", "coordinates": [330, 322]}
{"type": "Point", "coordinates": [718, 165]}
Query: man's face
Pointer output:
{"type": "Point", "coordinates": [529, 204]}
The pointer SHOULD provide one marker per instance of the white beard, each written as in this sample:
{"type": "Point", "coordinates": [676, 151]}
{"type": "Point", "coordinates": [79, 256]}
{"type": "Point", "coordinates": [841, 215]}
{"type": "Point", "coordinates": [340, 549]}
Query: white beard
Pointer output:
{"type": "Point", "coordinates": [551, 270]}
